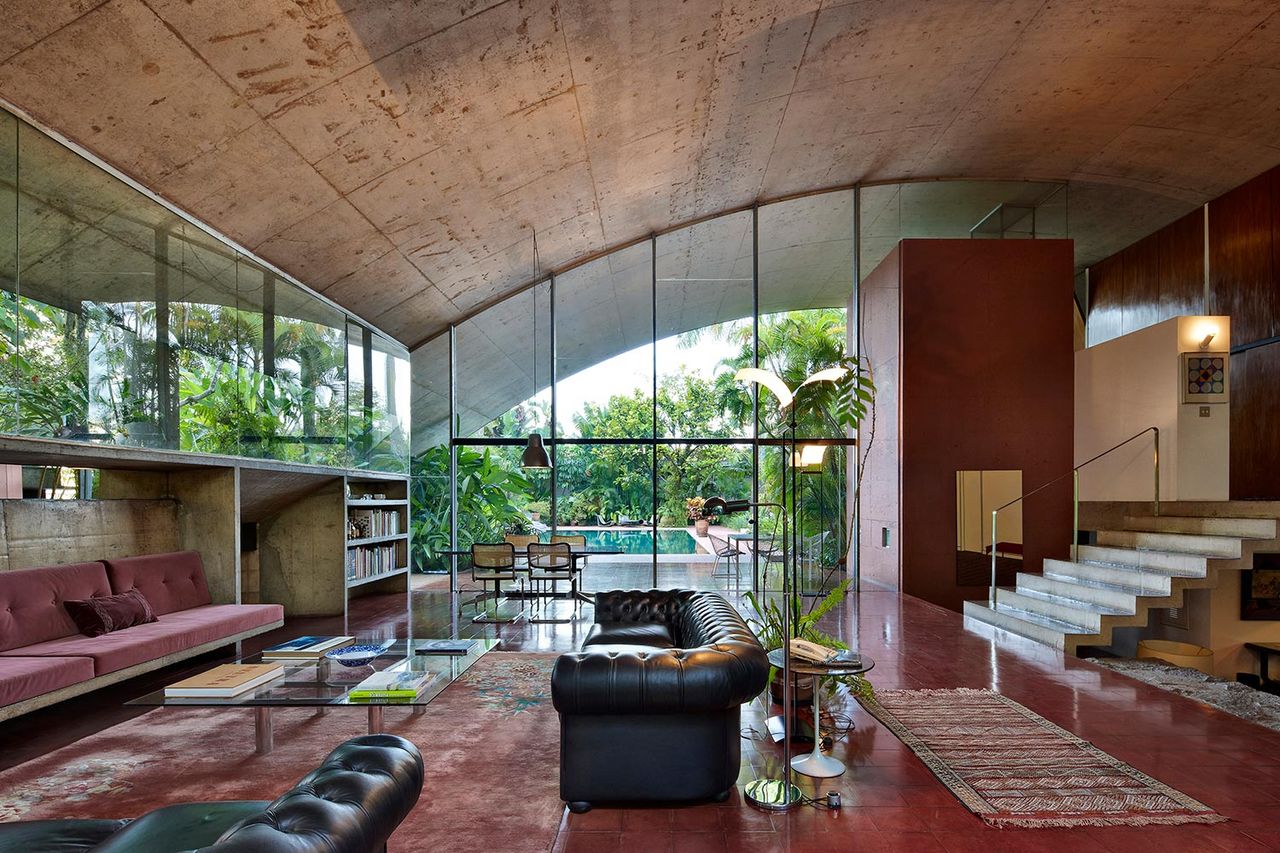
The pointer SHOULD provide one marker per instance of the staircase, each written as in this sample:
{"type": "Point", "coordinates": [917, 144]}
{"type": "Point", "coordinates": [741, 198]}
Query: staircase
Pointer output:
{"type": "Point", "coordinates": [1116, 582]}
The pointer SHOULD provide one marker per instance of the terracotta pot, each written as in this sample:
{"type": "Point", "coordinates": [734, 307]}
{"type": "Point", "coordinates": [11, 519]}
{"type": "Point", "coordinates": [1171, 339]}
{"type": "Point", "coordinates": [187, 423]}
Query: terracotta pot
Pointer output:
{"type": "Point", "coordinates": [701, 526]}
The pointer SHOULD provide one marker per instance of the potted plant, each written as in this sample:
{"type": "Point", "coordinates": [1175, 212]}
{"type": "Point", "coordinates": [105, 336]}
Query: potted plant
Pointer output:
{"type": "Point", "coordinates": [695, 508]}
{"type": "Point", "coordinates": [766, 617]}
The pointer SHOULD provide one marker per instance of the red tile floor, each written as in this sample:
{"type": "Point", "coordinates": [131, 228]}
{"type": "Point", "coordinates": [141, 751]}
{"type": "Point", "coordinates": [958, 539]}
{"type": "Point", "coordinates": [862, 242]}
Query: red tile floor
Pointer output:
{"type": "Point", "coordinates": [891, 802]}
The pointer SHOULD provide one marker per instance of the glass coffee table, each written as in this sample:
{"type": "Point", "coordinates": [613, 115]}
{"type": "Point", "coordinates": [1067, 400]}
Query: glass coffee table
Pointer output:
{"type": "Point", "coordinates": [324, 684]}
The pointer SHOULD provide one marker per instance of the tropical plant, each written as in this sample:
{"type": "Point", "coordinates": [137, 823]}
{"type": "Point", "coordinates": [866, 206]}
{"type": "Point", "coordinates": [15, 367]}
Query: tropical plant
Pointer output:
{"type": "Point", "coordinates": [766, 618]}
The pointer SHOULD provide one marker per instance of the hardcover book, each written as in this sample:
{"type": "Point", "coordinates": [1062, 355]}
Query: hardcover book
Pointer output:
{"type": "Point", "coordinates": [391, 684]}
{"type": "Point", "coordinates": [304, 648]}
{"type": "Point", "coordinates": [224, 681]}
{"type": "Point", "coordinates": [445, 647]}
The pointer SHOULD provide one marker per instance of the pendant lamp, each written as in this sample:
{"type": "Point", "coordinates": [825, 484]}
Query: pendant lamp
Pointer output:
{"type": "Point", "coordinates": [535, 454]}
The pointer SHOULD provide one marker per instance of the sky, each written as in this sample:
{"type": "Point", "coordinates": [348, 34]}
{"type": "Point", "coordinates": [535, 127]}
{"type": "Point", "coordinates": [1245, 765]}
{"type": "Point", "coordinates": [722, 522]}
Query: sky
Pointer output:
{"type": "Point", "coordinates": [630, 370]}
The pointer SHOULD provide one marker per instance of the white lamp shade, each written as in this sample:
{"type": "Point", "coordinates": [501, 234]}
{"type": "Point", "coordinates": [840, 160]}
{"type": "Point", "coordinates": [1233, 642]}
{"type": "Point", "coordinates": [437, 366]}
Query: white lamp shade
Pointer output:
{"type": "Point", "coordinates": [769, 380]}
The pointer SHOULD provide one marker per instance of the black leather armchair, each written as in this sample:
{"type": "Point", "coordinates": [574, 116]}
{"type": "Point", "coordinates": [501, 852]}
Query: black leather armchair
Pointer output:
{"type": "Point", "coordinates": [650, 708]}
{"type": "Point", "coordinates": [349, 804]}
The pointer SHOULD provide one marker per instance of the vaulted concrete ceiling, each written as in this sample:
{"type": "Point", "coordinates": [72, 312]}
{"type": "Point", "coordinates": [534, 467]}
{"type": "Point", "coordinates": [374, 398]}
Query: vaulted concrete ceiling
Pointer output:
{"type": "Point", "coordinates": [394, 154]}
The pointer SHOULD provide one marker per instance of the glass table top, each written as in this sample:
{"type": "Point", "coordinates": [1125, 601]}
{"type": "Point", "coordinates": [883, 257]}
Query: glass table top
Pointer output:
{"type": "Point", "coordinates": [326, 682]}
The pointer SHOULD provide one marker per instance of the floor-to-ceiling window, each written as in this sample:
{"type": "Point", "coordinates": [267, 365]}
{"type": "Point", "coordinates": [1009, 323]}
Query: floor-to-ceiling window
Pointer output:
{"type": "Point", "coordinates": [625, 366]}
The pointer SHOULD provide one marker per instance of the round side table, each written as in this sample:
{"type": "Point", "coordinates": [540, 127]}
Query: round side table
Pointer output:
{"type": "Point", "coordinates": [815, 763]}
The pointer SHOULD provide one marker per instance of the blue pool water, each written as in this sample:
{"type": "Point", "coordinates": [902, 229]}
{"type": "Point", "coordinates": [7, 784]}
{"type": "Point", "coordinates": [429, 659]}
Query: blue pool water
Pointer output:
{"type": "Point", "coordinates": [637, 541]}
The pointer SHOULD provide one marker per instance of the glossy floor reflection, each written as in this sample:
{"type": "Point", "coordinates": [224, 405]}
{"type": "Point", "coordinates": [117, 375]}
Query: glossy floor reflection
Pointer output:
{"type": "Point", "coordinates": [891, 801]}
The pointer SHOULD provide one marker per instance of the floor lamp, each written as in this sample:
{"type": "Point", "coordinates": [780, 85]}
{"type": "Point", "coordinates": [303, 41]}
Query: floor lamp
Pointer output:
{"type": "Point", "coordinates": [767, 793]}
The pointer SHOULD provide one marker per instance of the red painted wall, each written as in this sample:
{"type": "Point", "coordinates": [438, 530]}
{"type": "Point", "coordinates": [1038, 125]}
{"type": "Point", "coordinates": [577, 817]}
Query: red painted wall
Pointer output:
{"type": "Point", "coordinates": [984, 383]}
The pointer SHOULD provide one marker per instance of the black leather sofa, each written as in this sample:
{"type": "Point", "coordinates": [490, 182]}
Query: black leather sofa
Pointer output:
{"type": "Point", "coordinates": [349, 804]}
{"type": "Point", "coordinates": [650, 707]}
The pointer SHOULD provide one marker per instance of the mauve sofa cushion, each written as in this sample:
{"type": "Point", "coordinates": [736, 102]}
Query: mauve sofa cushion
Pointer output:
{"type": "Point", "coordinates": [31, 608]}
{"type": "Point", "coordinates": [173, 632]}
{"type": "Point", "coordinates": [102, 614]}
{"type": "Point", "coordinates": [21, 678]}
{"type": "Point", "coordinates": [171, 582]}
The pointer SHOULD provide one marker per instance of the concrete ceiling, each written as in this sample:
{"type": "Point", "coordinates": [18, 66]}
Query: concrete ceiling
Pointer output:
{"type": "Point", "coordinates": [394, 154]}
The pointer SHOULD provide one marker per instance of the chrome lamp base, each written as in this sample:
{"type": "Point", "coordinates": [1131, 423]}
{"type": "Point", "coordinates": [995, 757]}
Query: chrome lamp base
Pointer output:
{"type": "Point", "coordinates": [774, 795]}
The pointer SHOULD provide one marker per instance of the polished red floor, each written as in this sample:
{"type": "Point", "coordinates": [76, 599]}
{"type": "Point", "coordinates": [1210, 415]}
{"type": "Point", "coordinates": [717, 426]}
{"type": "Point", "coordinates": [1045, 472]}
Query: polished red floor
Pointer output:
{"type": "Point", "coordinates": [891, 802]}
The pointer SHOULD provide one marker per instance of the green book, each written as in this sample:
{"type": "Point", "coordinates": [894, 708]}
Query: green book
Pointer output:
{"type": "Point", "coordinates": [391, 684]}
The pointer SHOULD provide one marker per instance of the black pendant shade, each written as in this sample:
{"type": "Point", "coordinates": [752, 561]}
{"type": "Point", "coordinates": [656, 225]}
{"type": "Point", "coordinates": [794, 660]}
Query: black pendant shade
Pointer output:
{"type": "Point", "coordinates": [535, 455]}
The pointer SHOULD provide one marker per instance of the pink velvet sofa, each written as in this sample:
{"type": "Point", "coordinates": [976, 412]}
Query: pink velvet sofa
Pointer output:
{"type": "Point", "coordinates": [44, 659]}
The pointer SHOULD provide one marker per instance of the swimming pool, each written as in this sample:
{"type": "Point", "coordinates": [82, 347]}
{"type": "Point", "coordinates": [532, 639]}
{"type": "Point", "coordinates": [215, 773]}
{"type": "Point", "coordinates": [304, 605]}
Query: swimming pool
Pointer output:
{"type": "Point", "coordinates": [636, 540]}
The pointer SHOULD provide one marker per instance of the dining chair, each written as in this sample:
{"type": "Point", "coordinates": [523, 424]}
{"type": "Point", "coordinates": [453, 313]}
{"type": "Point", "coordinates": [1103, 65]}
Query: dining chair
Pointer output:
{"type": "Point", "coordinates": [493, 563]}
{"type": "Point", "coordinates": [550, 563]}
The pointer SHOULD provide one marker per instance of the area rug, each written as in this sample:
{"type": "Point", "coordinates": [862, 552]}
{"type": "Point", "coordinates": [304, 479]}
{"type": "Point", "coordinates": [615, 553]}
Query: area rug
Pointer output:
{"type": "Point", "coordinates": [497, 719]}
{"type": "Point", "coordinates": [1235, 698]}
{"type": "Point", "coordinates": [1013, 767]}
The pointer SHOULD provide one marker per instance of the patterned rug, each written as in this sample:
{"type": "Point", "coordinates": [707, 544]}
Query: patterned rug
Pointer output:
{"type": "Point", "coordinates": [1013, 767]}
{"type": "Point", "coordinates": [497, 716]}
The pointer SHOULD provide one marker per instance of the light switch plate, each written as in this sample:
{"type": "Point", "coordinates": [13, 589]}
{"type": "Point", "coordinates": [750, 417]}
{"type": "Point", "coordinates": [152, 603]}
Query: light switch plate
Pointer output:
{"type": "Point", "coordinates": [1204, 411]}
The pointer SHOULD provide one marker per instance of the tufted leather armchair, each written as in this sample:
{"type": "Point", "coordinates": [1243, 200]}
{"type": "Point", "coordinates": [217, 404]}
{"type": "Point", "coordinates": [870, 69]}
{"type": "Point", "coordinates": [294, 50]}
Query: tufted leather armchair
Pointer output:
{"type": "Point", "coordinates": [349, 804]}
{"type": "Point", "coordinates": [650, 706]}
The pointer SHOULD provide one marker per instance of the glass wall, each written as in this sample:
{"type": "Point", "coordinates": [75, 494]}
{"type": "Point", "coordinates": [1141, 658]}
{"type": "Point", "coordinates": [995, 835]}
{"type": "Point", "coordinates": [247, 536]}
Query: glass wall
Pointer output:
{"type": "Point", "coordinates": [125, 324]}
{"type": "Point", "coordinates": [626, 365]}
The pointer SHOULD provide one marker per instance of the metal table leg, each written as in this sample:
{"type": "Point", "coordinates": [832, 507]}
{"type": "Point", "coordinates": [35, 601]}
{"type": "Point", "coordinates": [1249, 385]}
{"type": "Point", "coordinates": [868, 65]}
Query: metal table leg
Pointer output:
{"type": "Point", "coordinates": [263, 731]}
{"type": "Point", "coordinates": [375, 719]}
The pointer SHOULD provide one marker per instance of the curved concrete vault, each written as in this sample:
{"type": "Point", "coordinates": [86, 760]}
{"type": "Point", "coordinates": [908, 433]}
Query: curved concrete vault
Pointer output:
{"type": "Point", "coordinates": [394, 154]}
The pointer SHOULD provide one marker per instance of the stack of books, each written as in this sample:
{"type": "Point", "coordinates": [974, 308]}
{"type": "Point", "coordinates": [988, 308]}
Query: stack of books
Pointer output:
{"type": "Point", "coordinates": [445, 647]}
{"type": "Point", "coordinates": [391, 685]}
{"type": "Point", "coordinates": [225, 681]}
{"type": "Point", "coordinates": [310, 648]}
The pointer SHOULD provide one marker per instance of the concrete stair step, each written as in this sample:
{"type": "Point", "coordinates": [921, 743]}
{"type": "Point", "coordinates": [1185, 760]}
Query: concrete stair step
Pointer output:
{"type": "Point", "coordinates": [1068, 610]}
{"type": "Point", "coordinates": [1165, 562]}
{"type": "Point", "coordinates": [1240, 528]}
{"type": "Point", "coordinates": [1115, 598]}
{"type": "Point", "coordinates": [1220, 547]}
{"type": "Point", "coordinates": [1130, 578]}
{"type": "Point", "coordinates": [1051, 632]}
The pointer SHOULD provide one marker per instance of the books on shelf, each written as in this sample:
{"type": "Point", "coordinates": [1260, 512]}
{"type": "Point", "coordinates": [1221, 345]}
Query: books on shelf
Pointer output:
{"type": "Point", "coordinates": [445, 647]}
{"type": "Point", "coordinates": [392, 684]}
{"type": "Point", "coordinates": [368, 523]}
{"type": "Point", "coordinates": [225, 681]}
{"type": "Point", "coordinates": [305, 648]}
{"type": "Point", "coordinates": [369, 561]}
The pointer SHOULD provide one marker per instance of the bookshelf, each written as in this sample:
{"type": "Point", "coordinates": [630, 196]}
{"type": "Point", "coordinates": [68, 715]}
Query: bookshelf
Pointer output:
{"type": "Point", "coordinates": [377, 535]}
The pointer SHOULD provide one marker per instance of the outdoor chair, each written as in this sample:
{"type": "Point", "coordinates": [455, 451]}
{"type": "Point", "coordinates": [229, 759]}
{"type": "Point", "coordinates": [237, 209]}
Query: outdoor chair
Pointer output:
{"type": "Point", "coordinates": [492, 564]}
{"type": "Point", "coordinates": [550, 563]}
{"type": "Point", "coordinates": [729, 553]}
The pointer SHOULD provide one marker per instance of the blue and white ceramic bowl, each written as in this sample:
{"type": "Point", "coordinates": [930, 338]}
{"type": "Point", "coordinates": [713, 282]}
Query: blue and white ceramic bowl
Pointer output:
{"type": "Point", "coordinates": [355, 655]}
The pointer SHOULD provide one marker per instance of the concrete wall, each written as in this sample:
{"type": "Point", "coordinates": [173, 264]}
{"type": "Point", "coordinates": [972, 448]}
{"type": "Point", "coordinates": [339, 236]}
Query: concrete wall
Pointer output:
{"type": "Point", "coordinates": [880, 318]}
{"type": "Point", "coordinates": [1133, 382]}
{"type": "Point", "coordinates": [37, 533]}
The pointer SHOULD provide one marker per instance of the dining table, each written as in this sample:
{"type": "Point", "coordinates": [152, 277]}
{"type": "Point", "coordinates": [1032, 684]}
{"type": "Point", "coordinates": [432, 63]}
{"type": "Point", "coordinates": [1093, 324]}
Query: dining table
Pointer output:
{"type": "Point", "coordinates": [575, 554]}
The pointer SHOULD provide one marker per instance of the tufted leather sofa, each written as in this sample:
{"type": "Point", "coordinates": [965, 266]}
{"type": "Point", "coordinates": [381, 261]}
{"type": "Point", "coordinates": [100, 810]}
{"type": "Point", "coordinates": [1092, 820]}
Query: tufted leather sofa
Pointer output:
{"type": "Point", "coordinates": [650, 706]}
{"type": "Point", "coordinates": [349, 804]}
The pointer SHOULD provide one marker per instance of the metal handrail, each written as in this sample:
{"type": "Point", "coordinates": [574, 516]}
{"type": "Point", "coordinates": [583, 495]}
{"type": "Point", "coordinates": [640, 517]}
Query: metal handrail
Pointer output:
{"type": "Point", "coordinates": [1074, 474]}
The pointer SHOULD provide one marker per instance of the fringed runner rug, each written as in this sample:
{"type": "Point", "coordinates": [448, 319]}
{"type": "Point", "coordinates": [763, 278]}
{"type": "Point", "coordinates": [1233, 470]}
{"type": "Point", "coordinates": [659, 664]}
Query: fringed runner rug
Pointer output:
{"type": "Point", "coordinates": [1013, 767]}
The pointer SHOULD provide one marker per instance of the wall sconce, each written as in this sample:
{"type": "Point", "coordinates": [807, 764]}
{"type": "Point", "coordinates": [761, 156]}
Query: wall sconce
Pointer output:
{"type": "Point", "coordinates": [1208, 339]}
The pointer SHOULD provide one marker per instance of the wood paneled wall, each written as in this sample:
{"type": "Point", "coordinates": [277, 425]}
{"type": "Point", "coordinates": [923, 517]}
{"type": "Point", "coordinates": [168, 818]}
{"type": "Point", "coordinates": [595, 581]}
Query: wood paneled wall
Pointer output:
{"type": "Point", "coordinates": [1158, 277]}
{"type": "Point", "coordinates": [1164, 275]}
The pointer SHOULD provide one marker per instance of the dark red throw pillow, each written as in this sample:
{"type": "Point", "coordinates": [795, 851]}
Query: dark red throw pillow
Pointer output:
{"type": "Point", "coordinates": [103, 614]}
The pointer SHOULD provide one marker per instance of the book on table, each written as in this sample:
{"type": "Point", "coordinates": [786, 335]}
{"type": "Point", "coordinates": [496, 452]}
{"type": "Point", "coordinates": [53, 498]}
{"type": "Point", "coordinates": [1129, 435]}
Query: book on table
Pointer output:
{"type": "Point", "coordinates": [391, 684]}
{"type": "Point", "coordinates": [225, 681]}
{"type": "Point", "coordinates": [305, 648]}
{"type": "Point", "coordinates": [445, 647]}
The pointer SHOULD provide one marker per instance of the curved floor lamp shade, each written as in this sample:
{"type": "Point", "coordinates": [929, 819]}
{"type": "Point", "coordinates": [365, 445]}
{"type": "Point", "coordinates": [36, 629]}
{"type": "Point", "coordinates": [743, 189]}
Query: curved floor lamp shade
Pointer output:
{"type": "Point", "coordinates": [535, 455]}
